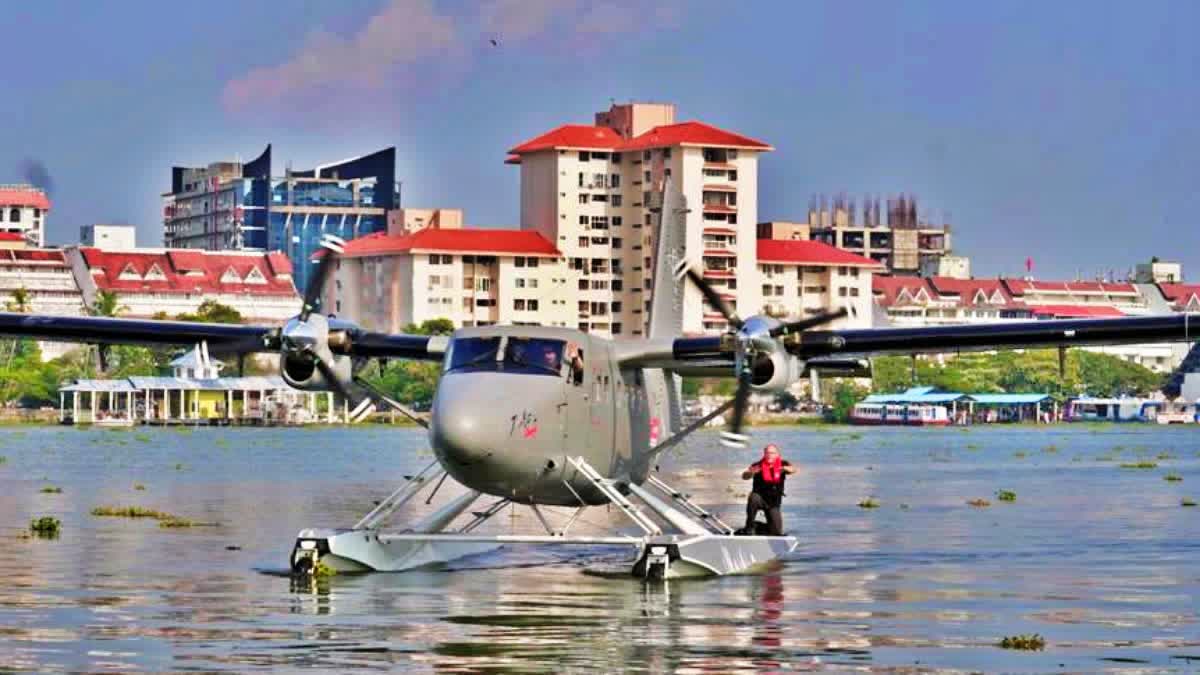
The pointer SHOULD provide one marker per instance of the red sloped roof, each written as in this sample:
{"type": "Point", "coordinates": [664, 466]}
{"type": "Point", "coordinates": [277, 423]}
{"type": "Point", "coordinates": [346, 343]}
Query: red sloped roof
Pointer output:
{"type": "Point", "coordinates": [967, 289]}
{"type": "Point", "coordinates": [693, 133]}
{"type": "Point", "coordinates": [279, 263]}
{"type": "Point", "coordinates": [808, 252]}
{"type": "Point", "coordinates": [107, 267]}
{"type": "Point", "coordinates": [24, 197]}
{"type": "Point", "coordinates": [1076, 311]}
{"type": "Point", "coordinates": [1175, 292]}
{"type": "Point", "coordinates": [472, 240]}
{"type": "Point", "coordinates": [572, 136]}
{"type": "Point", "coordinates": [54, 257]}
{"type": "Point", "coordinates": [1021, 286]}
{"type": "Point", "coordinates": [603, 138]}
{"type": "Point", "coordinates": [887, 289]}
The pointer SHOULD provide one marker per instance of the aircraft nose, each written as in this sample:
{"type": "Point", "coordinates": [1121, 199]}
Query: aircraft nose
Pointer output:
{"type": "Point", "coordinates": [465, 427]}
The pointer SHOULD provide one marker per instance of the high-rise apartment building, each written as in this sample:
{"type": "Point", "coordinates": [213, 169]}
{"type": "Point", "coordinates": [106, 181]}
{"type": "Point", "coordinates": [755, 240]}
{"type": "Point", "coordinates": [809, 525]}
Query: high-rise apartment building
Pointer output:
{"type": "Point", "coordinates": [592, 190]}
{"type": "Point", "coordinates": [23, 210]}
{"type": "Point", "coordinates": [244, 206]}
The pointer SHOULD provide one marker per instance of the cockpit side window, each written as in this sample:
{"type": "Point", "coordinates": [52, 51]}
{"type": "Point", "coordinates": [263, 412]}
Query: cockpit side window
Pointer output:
{"type": "Point", "coordinates": [472, 354]}
{"type": "Point", "coordinates": [575, 365]}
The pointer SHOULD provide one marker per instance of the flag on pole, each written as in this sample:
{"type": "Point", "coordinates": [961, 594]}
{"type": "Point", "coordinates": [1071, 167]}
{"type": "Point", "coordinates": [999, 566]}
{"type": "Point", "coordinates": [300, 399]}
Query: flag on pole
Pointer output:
{"type": "Point", "coordinates": [1028, 265]}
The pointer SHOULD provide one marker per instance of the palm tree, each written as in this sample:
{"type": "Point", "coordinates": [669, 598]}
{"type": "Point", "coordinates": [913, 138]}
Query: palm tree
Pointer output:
{"type": "Point", "coordinates": [107, 304]}
{"type": "Point", "coordinates": [20, 301]}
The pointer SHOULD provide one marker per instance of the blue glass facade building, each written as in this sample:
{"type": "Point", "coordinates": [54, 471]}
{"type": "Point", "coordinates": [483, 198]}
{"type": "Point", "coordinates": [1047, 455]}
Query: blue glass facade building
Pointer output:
{"type": "Point", "coordinates": [231, 206]}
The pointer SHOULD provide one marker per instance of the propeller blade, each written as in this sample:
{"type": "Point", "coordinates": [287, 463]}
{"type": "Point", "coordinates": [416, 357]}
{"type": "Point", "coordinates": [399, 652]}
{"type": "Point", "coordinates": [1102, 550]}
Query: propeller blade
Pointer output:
{"type": "Point", "coordinates": [361, 406]}
{"type": "Point", "coordinates": [805, 324]}
{"type": "Point", "coordinates": [734, 437]}
{"type": "Point", "coordinates": [710, 294]}
{"type": "Point", "coordinates": [312, 296]}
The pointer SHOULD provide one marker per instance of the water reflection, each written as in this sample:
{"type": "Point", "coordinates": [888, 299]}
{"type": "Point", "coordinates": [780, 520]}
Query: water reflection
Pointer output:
{"type": "Point", "coordinates": [1098, 559]}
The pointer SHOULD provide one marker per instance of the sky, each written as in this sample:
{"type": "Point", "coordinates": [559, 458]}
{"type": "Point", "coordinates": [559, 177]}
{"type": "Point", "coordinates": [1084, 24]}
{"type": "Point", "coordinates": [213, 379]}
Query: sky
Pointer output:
{"type": "Point", "coordinates": [1066, 132]}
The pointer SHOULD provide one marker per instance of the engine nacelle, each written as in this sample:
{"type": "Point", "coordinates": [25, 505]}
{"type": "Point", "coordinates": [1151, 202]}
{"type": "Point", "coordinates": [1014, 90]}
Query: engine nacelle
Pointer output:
{"type": "Point", "coordinates": [776, 371]}
{"type": "Point", "coordinates": [300, 371]}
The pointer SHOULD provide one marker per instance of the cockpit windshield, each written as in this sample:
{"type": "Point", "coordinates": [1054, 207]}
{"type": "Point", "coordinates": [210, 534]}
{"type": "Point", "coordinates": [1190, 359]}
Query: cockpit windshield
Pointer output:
{"type": "Point", "coordinates": [533, 355]}
{"type": "Point", "coordinates": [521, 355]}
{"type": "Point", "coordinates": [473, 353]}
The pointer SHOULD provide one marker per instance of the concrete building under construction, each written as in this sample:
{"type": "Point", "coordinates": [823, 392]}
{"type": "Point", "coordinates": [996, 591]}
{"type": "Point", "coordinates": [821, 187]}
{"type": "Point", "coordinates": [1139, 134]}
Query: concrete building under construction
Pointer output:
{"type": "Point", "coordinates": [901, 243]}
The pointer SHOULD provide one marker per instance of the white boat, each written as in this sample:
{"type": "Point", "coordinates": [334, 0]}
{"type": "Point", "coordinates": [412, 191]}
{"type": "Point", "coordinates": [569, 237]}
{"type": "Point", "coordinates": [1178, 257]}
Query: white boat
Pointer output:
{"type": "Point", "coordinates": [900, 414]}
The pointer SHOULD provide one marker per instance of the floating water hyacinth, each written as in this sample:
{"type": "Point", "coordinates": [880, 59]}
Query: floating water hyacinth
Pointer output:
{"type": "Point", "coordinates": [1172, 478]}
{"type": "Point", "coordinates": [1140, 465]}
{"type": "Point", "coordinates": [1031, 642]}
{"type": "Point", "coordinates": [47, 527]}
{"type": "Point", "coordinates": [869, 503]}
{"type": "Point", "coordinates": [1006, 496]}
{"type": "Point", "coordinates": [979, 503]}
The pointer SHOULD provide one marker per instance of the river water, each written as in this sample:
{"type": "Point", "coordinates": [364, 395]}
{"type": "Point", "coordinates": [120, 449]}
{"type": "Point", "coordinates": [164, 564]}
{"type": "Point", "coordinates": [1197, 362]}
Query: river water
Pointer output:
{"type": "Point", "coordinates": [1102, 561]}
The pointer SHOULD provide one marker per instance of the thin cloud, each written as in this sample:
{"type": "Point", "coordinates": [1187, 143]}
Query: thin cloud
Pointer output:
{"type": "Point", "coordinates": [406, 33]}
{"type": "Point", "coordinates": [409, 43]}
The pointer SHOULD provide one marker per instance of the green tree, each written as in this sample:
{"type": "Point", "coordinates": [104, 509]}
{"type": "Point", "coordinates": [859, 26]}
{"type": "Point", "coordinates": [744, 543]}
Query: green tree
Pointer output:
{"type": "Point", "coordinates": [412, 381]}
{"type": "Point", "coordinates": [211, 311]}
{"type": "Point", "coordinates": [20, 302]}
{"type": "Point", "coordinates": [107, 303]}
{"type": "Point", "coordinates": [841, 396]}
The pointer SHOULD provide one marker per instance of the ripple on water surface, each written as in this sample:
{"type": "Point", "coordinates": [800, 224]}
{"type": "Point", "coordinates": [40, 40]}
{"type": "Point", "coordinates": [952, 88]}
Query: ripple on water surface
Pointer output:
{"type": "Point", "coordinates": [1098, 559]}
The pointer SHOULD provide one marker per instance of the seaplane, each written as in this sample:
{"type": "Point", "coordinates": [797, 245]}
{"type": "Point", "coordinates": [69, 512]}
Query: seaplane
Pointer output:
{"type": "Point", "coordinates": [533, 417]}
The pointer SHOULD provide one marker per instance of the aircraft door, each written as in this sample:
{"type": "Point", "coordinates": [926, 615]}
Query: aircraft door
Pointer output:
{"type": "Point", "coordinates": [574, 410]}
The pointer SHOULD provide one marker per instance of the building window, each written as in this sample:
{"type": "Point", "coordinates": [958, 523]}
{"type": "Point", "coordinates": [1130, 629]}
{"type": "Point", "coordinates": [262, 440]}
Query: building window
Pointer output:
{"type": "Point", "coordinates": [583, 284]}
{"type": "Point", "coordinates": [854, 292]}
{"type": "Point", "coordinates": [531, 261]}
{"type": "Point", "coordinates": [532, 283]}
{"type": "Point", "coordinates": [519, 305]}
{"type": "Point", "coordinates": [532, 305]}
{"type": "Point", "coordinates": [583, 198]}
{"type": "Point", "coordinates": [616, 200]}
{"type": "Point", "coordinates": [519, 283]}
{"type": "Point", "coordinates": [580, 179]}
{"type": "Point", "coordinates": [583, 242]}
{"type": "Point", "coordinates": [616, 242]}
{"type": "Point", "coordinates": [646, 155]}
{"type": "Point", "coordinates": [14, 214]}
{"type": "Point", "coordinates": [616, 221]}
{"type": "Point", "coordinates": [518, 261]}
{"type": "Point", "coordinates": [647, 176]}
{"type": "Point", "coordinates": [666, 153]}
{"type": "Point", "coordinates": [615, 181]}
{"type": "Point", "coordinates": [618, 285]}
{"type": "Point", "coordinates": [599, 222]}
{"type": "Point", "coordinates": [616, 329]}
{"type": "Point", "coordinates": [616, 158]}
{"type": "Point", "coordinates": [842, 292]}
{"type": "Point", "coordinates": [616, 307]}
{"type": "Point", "coordinates": [584, 156]}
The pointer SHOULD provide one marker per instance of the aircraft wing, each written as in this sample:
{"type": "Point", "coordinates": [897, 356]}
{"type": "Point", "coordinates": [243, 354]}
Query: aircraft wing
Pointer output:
{"type": "Point", "coordinates": [229, 337]}
{"type": "Point", "coordinates": [959, 338]}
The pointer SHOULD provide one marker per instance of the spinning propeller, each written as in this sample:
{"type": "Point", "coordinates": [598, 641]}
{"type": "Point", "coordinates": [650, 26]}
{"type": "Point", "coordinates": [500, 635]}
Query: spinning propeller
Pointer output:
{"type": "Point", "coordinates": [753, 342]}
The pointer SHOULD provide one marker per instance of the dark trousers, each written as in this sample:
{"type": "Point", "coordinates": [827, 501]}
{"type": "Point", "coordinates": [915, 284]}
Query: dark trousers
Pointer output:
{"type": "Point", "coordinates": [755, 504]}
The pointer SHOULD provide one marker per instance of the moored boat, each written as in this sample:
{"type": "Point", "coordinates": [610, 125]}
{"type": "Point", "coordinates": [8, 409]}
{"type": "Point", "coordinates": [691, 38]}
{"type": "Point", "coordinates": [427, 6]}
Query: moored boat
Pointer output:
{"type": "Point", "coordinates": [900, 414]}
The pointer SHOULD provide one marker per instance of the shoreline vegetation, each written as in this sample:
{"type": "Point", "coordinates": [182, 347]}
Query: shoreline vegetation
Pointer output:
{"type": "Point", "coordinates": [29, 386]}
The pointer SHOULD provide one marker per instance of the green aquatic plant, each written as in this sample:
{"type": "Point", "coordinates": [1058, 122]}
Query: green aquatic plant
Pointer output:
{"type": "Point", "coordinates": [1050, 449]}
{"type": "Point", "coordinates": [979, 503]}
{"type": "Point", "coordinates": [179, 466]}
{"type": "Point", "coordinates": [1020, 454]}
{"type": "Point", "coordinates": [1006, 496]}
{"type": "Point", "coordinates": [139, 486]}
{"type": "Point", "coordinates": [130, 512]}
{"type": "Point", "coordinates": [142, 438]}
{"type": "Point", "coordinates": [1187, 501]}
{"type": "Point", "coordinates": [1031, 642]}
{"type": "Point", "coordinates": [51, 490]}
{"type": "Point", "coordinates": [1172, 478]}
{"type": "Point", "coordinates": [3, 459]}
{"type": "Point", "coordinates": [47, 527]}
{"type": "Point", "coordinates": [972, 446]}
{"type": "Point", "coordinates": [1144, 464]}
{"type": "Point", "coordinates": [869, 503]}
